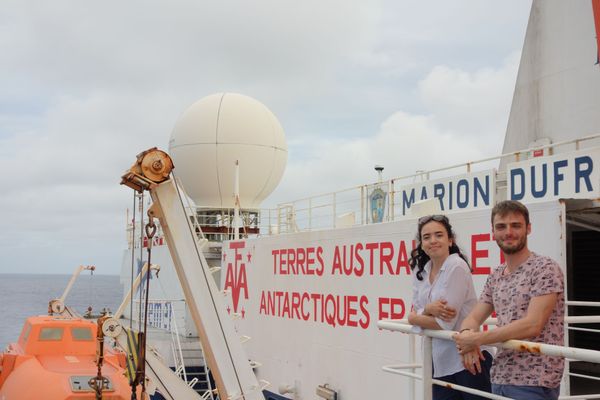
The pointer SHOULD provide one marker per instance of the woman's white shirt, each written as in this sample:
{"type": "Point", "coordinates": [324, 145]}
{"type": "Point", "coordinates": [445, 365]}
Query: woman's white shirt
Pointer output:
{"type": "Point", "coordinates": [455, 285]}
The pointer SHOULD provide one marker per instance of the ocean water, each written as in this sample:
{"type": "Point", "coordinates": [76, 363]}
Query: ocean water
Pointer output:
{"type": "Point", "coordinates": [24, 295]}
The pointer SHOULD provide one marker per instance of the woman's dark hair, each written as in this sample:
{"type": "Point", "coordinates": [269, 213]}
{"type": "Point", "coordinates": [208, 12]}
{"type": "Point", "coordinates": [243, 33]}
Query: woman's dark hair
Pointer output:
{"type": "Point", "coordinates": [418, 258]}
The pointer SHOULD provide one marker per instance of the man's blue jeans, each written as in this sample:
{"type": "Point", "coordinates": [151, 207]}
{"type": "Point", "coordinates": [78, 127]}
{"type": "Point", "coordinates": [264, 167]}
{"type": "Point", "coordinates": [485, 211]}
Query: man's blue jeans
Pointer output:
{"type": "Point", "coordinates": [480, 381]}
{"type": "Point", "coordinates": [526, 392]}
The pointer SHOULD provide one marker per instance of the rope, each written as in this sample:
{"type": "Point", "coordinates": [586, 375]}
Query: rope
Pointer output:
{"type": "Point", "coordinates": [99, 382]}
{"type": "Point", "coordinates": [141, 260]}
{"type": "Point", "coordinates": [150, 232]}
{"type": "Point", "coordinates": [92, 294]}
{"type": "Point", "coordinates": [132, 262]}
{"type": "Point", "coordinates": [141, 340]}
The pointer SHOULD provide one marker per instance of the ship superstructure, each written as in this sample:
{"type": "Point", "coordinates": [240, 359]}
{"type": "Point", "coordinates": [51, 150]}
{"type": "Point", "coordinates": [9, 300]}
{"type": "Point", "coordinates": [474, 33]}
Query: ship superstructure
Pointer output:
{"type": "Point", "coordinates": [307, 282]}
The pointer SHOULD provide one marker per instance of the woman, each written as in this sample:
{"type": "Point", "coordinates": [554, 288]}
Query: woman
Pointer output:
{"type": "Point", "coordinates": [443, 295]}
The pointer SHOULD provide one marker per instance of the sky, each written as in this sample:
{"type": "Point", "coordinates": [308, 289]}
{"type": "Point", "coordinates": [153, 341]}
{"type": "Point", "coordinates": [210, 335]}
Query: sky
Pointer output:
{"type": "Point", "coordinates": [85, 86]}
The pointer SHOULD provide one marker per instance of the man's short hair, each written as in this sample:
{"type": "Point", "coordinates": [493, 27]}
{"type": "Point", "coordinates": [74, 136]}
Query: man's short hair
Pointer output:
{"type": "Point", "coordinates": [510, 206]}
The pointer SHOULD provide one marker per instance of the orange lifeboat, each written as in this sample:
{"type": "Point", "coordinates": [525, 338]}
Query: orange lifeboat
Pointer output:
{"type": "Point", "coordinates": [55, 358]}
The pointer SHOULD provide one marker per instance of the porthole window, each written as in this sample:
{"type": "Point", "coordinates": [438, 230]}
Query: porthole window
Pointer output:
{"type": "Point", "coordinates": [82, 334]}
{"type": "Point", "coordinates": [51, 334]}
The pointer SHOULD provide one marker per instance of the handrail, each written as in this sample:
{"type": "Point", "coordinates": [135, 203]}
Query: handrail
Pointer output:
{"type": "Point", "coordinates": [328, 204]}
{"type": "Point", "coordinates": [519, 345]}
{"type": "Point", "coordinates": [176, 343]}
{"type": "Point", "coordinates": [501, 156]}
{"type": "Point", "coordinates": [570, 319]}
{"type": "Point", "coordinates": [572, 353]}
{"type": "Point", "coordinates": [582, 303]}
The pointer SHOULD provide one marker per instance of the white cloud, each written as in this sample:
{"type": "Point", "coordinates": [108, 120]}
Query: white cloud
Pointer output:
{"type": "Point", "coordinates": [209, 46]}
{"type": "Point", "coordinates": [465, 121]}
{"type": "Point", "coordinates": [86, 86]}
{"type": "Point", "coordinates": [473, 104]}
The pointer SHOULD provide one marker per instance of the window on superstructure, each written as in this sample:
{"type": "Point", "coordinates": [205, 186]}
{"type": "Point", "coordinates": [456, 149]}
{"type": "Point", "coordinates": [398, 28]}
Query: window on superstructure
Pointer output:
{"type": "Point", "coordinates": [82, 334]}
{"type": "Point", "coordinates": [51, 334]}
{"type": "Point", "coordinates": [26, 333]}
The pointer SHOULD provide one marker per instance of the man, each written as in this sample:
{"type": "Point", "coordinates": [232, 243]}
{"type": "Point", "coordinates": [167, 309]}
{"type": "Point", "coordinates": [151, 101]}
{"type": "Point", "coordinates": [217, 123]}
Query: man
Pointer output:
{"type": "Point", "coordinates": [527, 293]}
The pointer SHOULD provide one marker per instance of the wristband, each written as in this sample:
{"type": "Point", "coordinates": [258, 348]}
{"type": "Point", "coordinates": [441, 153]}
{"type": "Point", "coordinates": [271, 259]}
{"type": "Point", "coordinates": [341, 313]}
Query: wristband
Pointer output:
{"type": "Point", "coordinates": [465, 329]}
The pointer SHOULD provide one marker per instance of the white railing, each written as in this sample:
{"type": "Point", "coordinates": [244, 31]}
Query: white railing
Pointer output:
{"type": "Point", "coordinates": [346, 207]}
{"type": "Point", "coordinates": [343, 208]}
{"type": "Point", "coordinates": [408, 370]}
{"type": "Point", "coordinates": [582, 320]}
{"type": "Point", "coordinates": [176, 351]}
{"type": "Point", "coordinates": [351, 206]}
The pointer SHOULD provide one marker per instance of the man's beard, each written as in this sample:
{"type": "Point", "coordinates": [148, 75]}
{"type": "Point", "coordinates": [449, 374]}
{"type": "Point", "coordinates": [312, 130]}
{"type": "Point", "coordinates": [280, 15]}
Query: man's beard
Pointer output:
{"type": "Point", "coordinates": [520, 245]}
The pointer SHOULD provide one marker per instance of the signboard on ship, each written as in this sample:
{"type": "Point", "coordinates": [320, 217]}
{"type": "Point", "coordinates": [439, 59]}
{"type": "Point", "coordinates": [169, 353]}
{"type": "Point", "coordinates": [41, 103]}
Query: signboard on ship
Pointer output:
{"type": "Point", "coordinates": [470, 191]}
{"type": "Point", "coordinates": [311, 301]}
{"type": "Point", "coordinates": [570, 175]}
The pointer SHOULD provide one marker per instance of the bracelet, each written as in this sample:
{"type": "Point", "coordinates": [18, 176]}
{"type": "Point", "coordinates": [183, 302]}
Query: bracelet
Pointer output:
{"type": "Point", "coordinates": [465, 329]}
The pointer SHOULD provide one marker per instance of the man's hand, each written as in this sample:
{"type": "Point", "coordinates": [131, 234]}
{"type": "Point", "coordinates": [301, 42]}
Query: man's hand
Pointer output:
{"type": "Point", "coordinates": [472, 361]}
{"type": "Point", "coordinates": [440, 309]}
{"type": "Point", "coordinates": [467, 341]}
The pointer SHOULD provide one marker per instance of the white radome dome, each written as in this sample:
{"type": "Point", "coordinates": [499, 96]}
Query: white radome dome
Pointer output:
{"type": "Point", "coordinates": [216, 131]}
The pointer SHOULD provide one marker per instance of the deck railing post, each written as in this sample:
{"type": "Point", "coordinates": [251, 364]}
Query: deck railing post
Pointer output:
{"type": "Point", "coordinates": [427, 368]}
{"type": "Point", "coordinates": [279, 224]}
{"type": "Point", "coordinates": [310, 214]}
{"type": "Point", "coordinates": [391, 200]}
{"type": "Point", "coordinates": [364, 204]}
{"type": "Point", "coordinates": [334, 221]}
{"type": "Point", "coordinates": [412, 352]}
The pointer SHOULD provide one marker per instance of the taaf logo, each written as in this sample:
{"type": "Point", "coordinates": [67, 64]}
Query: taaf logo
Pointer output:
{"type": "Point", "coordinates": [235, 279]}
{"type": "Point", "coordinates": [377, 205]}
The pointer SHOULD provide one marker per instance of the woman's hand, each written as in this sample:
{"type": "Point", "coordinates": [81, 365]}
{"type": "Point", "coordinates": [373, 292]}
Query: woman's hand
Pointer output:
{"type": "Point", "coordinates": [411, 316]}
{"type": "Point", "coordinates": [440, 309]}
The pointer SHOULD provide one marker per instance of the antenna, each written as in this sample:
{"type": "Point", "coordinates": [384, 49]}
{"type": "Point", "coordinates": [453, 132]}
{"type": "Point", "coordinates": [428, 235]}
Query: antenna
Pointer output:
{"type": "Point", "coordinates": [379, 169]}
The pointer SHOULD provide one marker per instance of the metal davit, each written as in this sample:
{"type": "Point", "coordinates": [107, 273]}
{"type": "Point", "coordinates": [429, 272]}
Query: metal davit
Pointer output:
{"type": "Point", "coordinates": [223, 349]}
